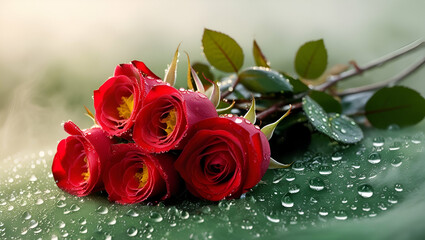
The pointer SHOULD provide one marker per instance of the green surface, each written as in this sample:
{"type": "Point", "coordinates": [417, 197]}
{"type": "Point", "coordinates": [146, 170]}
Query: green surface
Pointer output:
{"type": "Point", "coordinates": [311, 59]}
{"type": "Point", "coordinates": [264, 80]}
{"type": "Point", "coordinates": [374, 189]}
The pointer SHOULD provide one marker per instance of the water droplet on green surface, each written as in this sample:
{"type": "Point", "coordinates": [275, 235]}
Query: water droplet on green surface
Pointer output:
{"type": "Point", "coordinates": [374, 158]}
{"type": "Point", "coordinates": [155, 216]}
{"type": "Point", "coordinates": [365, 190]}
{"type": "Point", "coordinates": [317, 184]}
{"type": "Point", "coordinates": [287, 201]}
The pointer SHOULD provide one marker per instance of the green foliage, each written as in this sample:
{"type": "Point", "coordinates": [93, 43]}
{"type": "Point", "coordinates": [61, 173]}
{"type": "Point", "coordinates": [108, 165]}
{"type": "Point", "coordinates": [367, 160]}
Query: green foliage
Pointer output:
{"type": "Point", "coordinates": [260, 59]}
{"type": "Point", "coordinates": [326, 101]}
{"type": "Point", "coordinates": [298, 85]}
{"type": "Point", "coordinates": [338, 127]}
{"type": "Point", "coordinates": [311, 59]}
{"type": "Point", "coordinates": [222, 51]}
{"type": "Point", "coordinates": [264, 80]}
{"type": "Point", "coordinates": [396, 105]}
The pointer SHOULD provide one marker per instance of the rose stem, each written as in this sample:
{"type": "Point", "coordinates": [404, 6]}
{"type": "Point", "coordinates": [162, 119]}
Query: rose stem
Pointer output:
{"type": "Point", "coordinates": [390, 82]}
{"type": "Point", "coordinates": [376, 63]}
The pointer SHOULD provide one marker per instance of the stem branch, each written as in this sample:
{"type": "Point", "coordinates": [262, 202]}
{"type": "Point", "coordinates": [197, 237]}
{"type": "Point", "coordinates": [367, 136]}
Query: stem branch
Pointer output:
{"type": "Point", "coordinates": [376, 63]}
{"type": "Point", "coordinates": [390, 82]}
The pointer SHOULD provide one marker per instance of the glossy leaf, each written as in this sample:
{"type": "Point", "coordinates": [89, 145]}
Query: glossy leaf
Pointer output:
{"type": "Point", "coordinates": [222, 51]}
{"type": "Point", "coordinates": [250, 115]}
{"type": "Point", "coordinates": [171, 73]}
{"type": "Point", "coordinates": [269, 129]}
{"type": "Point", "coordinates": [260, 59]}
{"type": "Point", "coordinates": [326, 101]}
{"type": "Point", "coordinates": [264, 80]}
{"type": "Point", "coordinates": [396, 105]}
{"type": "Point", "coordinates": [338, 127]}
{"type": "Point", "coordinates": [297, 85]}
{"type": "Point", "coordinates": [311, 59]}
{"type": "Point", "coordinates": [224, 109]}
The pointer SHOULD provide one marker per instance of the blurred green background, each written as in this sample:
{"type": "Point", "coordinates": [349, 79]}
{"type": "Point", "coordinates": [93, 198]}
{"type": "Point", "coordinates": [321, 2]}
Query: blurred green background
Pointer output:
{"type": "Point", "coordinates": [53, 54]}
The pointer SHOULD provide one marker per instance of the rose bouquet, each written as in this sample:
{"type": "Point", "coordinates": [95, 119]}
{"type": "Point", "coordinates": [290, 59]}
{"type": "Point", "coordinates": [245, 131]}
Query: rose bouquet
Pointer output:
{"type": "Point", "coordinates": [152, 141]}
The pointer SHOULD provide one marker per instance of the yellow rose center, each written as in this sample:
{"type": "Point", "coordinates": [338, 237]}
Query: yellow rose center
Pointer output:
{"type": "Point", "coordinates": [170, 121]}
{"type": "Point", "coordinates": [126, 107]}
{"type": "Point", "coordinates": [86, 175]}
{"type": "Point", "coordinates": [142, 177]}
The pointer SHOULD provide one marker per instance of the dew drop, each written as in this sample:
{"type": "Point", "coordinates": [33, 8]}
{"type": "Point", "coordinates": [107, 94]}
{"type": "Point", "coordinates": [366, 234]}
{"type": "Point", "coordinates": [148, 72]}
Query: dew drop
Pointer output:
{"type": "Point", "coordinates": [325, 170]}
{"type": "Point", "coordinates": [392, 199]}
{"type": "Point", "coordinates": [238, 120]}
{"type": "Point", "coordinates": [112, 221]}
{"type": "Point", "coordinates": [365, 190]}
{"type": "Point", "coordinates": [317, 184]}
{"type": "Point", "coordinates": [290, 177]}
{"type": "Point", "coordinates": [323, 211]}
{"type": "Point", "coordinates": [131, 232]}
{"type": "Point", "coordinates": [33, 224]}
{"type": "Point", "coordinates": [26, 215]}
{"type": "Point", "coordinates": [398, 187]}
{"type": "Point", "coordinates": [336, 156]}
{"type": "Point", "coordinates": [293, 188]}
{"type": "Point", "coordinates": [374, 158]}
{"type": "Point", "coordinates": [378, 142]}
{"type": "Point", "coordinates": [155, 216]}
{"type": "Point", "coordinates": [298, 166]}
{"type": "Point", "coordinates": [341, 215]}
{"type": "Point", "coordinates": [397, 161]}
{"type": "Point", "coordinates": [273, 220]}
{"type": "Point", "coordinates": [102, 210]}
{"type": "Point", "coordinates": [132, 213]}
{"type": "Point", "coordinates": [287, 201]}
{"type": "Point", "coordinates": [74, 208]}
{"type": "Point", "coordinates": [395, 146]}
{"type": "Point", "coordinates": [83, 229]}
{"type": "Point", "coordinates": [60, 204]}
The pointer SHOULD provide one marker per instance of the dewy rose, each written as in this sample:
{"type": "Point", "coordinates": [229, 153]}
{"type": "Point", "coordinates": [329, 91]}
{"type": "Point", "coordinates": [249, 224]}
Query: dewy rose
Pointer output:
{"type": "Point", "coordinates": [133, 176]}
{"type": "Point", "coordinates": [166, 116]}
{"type": "Point", "coordinates": [78, 163]}
{"type": "Point", "coordinates": [224, 158]}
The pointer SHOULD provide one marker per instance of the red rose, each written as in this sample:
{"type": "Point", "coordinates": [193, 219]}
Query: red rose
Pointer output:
{"type": "Point", "coordinates": [119, 99]}
{"type": "Point", "coordinates": [133, 176]}
{"type": "Point", "coordinates": [77, 165]}
{"type": "Point", "coordinates": [166, 115]}
{"type": "Point", "coordinates": [224, 158]}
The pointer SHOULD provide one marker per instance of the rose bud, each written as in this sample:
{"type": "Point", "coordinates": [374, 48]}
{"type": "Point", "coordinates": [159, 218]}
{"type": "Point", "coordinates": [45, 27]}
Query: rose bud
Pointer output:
{"type": "Point", "coordinates": [166, 115]}
{"type": "Point", "coordinates": [133, 176]}
{"type": "Point", "coordinates": [119, 99]}
{"type": "Point", "coordinates": [224, 158]}
{"type": "Point", "coordinates": [78, 162]}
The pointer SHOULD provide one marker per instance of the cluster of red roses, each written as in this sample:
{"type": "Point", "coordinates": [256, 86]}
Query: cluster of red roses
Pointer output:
{"type": "Point", "coordinates": [152, 141]}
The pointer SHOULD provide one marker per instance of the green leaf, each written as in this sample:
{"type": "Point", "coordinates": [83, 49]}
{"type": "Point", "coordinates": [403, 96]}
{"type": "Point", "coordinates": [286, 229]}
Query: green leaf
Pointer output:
{"type": "Point", "coordinates": [264, 80]}
{"type": "Point", "coordinates": [396, 105]}
{"type": "Point", "coordinates": [298, 85]}
{"type": "Point", "coordinates": [338, 127]}
{"type": "Point", "coordinates": [326, 101]}
{"type": "Point", "coordinates": [203, 70]}
{"type": "Point", "coordinates": [250, 115]}
{"type": "Point", "coordinates": [171, 73]}
{"type": "Point", "coordinates": [222, 51]}
{"type": "Point", "coordinates": [269, 129]}
{"type": "Point", "coordinates": [260, 59]}
{"type": "Point", "coordinates": [224, 107]}
{"type": "Point", "coordinates": [311, 59]}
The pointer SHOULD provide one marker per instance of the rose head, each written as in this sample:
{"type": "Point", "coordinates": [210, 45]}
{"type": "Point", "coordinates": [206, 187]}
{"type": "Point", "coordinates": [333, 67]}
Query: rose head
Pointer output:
{"type": "Point", "coordinates": [166, 115]}
{"type": "Point", "coordinates": [133, 176]}
{"type": "Point", "coordinates": [119, 99]}
{"type": "Point", "coordinates": [77, 165]}
{"type": "Point", "coordinates": [224, 158]}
